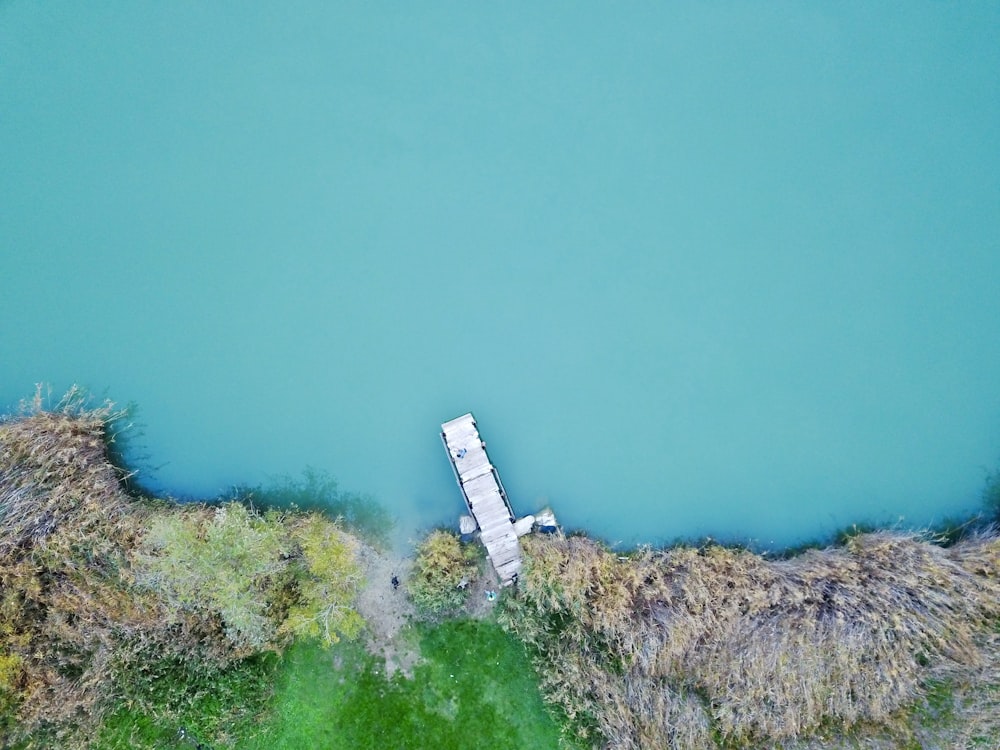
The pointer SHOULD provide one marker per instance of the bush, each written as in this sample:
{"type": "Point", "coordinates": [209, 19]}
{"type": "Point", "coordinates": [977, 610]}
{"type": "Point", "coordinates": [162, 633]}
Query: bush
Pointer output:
{"type": "Point", "coordinates": [223, 563]}
{"type": "Point", "coordinates": [442, 571]}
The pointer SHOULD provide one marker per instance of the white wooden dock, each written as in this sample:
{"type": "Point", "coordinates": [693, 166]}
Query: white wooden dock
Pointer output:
{"type": "Point", "coordinates": [484, 495]}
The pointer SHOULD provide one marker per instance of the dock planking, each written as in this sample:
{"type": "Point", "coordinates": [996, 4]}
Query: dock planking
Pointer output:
{"type": "Point", "coordinates": [484, 495]}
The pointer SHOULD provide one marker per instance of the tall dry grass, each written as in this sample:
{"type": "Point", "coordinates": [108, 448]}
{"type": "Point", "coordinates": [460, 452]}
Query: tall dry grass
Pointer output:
{"type": "Point", "coordinates": [66, 610]}
{"type": "Point", "coordinates": [672, 648]}
{"type": "Point", "coordinates": [53, 469]}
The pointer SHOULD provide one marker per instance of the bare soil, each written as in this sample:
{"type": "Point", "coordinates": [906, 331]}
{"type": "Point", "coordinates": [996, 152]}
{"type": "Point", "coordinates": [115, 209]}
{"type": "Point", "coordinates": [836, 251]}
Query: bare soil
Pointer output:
{"type": "Point", "coordinates": [388, 610]}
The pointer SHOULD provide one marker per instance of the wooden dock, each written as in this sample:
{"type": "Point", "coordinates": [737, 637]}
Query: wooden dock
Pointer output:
{"type": "Point", "coordinates": [484, 495]}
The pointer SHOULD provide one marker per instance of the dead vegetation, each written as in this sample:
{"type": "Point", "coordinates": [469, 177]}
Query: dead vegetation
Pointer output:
{"type": "Point", "coordinates": [65, 528]}
{"type": "Point", "coordinates": [686, 647]}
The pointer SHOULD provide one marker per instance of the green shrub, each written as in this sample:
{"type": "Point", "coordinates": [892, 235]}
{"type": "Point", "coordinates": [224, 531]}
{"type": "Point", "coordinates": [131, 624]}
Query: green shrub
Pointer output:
{"type": "Point", "coordinates": [222, 564]}
{"type": "Point", "coordinates": [442, 571]}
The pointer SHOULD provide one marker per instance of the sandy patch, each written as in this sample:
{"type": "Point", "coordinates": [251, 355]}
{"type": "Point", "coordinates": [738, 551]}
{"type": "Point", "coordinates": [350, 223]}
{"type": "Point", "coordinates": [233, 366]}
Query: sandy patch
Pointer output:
{"type": "Point", "coordinates": [387, 610]}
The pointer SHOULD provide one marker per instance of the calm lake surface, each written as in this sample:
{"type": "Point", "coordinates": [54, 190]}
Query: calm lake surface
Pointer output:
{"type": "Point", "coordinates": [697, 270]}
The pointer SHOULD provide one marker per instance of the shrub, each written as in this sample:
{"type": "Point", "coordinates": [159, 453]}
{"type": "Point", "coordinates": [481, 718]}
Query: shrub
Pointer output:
{"type": "Point", "coordinates": [442, 571]}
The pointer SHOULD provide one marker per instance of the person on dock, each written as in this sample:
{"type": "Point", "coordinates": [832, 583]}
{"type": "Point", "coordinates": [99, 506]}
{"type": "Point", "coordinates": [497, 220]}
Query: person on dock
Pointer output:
{"type": "Point", "coordinates": [460, 453]}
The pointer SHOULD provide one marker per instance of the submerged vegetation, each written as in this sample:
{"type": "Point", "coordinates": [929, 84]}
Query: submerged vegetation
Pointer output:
{"type": "Point", "coordinates": [317, 491]}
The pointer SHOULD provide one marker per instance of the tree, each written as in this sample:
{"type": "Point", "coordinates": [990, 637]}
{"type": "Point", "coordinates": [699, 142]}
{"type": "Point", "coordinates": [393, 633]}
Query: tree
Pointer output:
{"type": "Point", "coordinates": [327, 580]}
{"type": "Point", "coordinates": [266, 577]}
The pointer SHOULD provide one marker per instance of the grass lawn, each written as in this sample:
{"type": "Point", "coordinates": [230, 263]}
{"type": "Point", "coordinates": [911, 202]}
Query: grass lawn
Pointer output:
{"type": "Point", "coordinates": [474, 689]}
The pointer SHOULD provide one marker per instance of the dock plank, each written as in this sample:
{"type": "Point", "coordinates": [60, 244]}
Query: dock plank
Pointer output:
{"type": "Point", "coordinates": [484, 495]}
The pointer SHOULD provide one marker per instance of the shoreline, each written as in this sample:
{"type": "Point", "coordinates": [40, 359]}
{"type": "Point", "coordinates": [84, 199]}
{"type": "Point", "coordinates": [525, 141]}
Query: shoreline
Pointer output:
{"type": "Point", "coordinates": [699, 632]}
{"type": "Point", "coordinates": [410, 521]}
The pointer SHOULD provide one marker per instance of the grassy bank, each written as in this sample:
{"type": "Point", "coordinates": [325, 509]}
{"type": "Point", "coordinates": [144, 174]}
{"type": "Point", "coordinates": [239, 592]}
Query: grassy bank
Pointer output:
{"type": "Point", "coordinates": [474, 688]}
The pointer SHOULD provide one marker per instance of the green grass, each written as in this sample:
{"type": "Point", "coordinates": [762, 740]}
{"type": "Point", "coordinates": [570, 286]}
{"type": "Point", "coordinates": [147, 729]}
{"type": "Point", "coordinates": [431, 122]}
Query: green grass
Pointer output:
{"type": "Point", "coordinates": [474, 689]}
{"type": "Point", "coordinates": [937, 708]}
{"type": "Point", "coordinates": [162, 697]}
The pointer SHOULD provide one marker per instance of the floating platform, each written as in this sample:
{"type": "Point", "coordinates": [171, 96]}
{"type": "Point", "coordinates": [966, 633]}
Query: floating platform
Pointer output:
{"type": "Point", "coordinates": [484, 495]}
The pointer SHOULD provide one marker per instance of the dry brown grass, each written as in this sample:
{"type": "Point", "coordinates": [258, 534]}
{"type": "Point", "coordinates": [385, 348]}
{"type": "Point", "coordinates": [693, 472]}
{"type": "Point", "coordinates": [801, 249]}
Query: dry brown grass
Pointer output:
{"type": "Point", "coordinates": [668, 648]}
{"type": "Point", "coordinates": [65, 531]}
{"type": "Point", "coordinates": [53, 468]}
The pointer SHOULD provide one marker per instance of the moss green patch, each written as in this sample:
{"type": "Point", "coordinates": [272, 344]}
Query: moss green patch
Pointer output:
{"type": "Point", "coordinates": [474, 689]}
{"type": "Point", "coordinates": [938, 706]}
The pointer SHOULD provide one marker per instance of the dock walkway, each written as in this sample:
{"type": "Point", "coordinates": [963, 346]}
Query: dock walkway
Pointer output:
{"type": "Point", "coordinates": [484, 495]}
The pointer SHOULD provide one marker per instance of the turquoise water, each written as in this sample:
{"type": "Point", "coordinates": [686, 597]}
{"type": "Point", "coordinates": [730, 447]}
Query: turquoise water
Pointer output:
{"type": "Point", "coordinates": [726, 270]}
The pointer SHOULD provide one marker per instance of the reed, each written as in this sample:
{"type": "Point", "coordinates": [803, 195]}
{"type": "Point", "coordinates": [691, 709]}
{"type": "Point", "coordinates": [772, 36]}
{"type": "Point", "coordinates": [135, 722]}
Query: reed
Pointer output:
{"type": "Point", "coordinates": [683, 647]}
{"type": "Point", "coordinates": [66, 611]}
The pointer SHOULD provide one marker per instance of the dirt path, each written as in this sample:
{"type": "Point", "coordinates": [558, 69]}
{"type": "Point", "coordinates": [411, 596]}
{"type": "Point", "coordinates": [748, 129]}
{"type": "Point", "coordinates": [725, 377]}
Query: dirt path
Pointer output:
{"type": "Point", "coordinates": [387, 610]}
